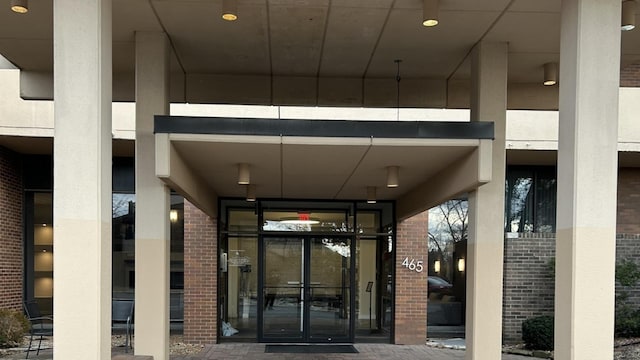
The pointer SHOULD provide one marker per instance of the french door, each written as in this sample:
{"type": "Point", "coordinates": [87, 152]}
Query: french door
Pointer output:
{"type": "Point", "coordinates": [306, 289]}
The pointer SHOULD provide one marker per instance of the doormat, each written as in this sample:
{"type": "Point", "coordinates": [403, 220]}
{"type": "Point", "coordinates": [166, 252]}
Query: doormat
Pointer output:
{"type": "Point", "coordinates": [310, 349]}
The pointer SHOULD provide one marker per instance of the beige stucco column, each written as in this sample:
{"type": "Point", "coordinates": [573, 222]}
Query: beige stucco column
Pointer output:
{"type": "Point", "coordinates": [587, 176]}
{"type": "Point", "coordinates": [82, 179]}
{"type": "Point", "coordinates": [152, 200]}
{"type": "Point", "coordinates": [486, 208]}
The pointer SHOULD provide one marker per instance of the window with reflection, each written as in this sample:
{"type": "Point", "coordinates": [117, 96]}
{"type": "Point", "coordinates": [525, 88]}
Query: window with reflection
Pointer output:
{"type": "Point", "coordinates": [123, 255]}
{"type": "Point", "coordinates": [307, 221]}
{"type": "Point", "coordinates": [530, 201]}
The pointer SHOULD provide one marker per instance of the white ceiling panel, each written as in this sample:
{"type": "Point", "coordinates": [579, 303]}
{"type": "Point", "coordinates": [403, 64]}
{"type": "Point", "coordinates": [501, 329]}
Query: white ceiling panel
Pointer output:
{"type": "Point", "coordinates": [296, 38]}
{"type": "Point", "coordinates": [351, 37]}
{"type": "Point", "coordinates": [205, 43]}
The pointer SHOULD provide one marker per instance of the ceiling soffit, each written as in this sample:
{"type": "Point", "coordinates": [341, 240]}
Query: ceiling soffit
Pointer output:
{"type": "Point", "coordinates": [352, 41]}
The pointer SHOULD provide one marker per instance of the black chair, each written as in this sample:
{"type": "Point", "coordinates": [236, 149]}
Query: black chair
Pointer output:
{"type": "Point", "coordinates": [122, 313]}
{"type": "Point", "coordinates": [41, 326]}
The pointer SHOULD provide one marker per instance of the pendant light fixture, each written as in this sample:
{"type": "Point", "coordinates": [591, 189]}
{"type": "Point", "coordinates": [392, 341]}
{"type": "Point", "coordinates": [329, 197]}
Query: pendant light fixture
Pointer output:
{"type": "Point", "coordinates": [251, 193]}
{"type": "Point", "coordinates": [371, 194]}
{"type": "Point", "coordinates": [550, 74]}
{"type": "Point", "coordinates": [628, 15]}
{"type": "Point", "coordinates": [393, 176]}
{"type": "Point", "coordinates": [244, 174]}
{"type": "Point", "coordinates": [230, 10]}
{"type": "Point", "coordinates": [430, 13]}
{"type": "Point", "coordinates": [20, 6]}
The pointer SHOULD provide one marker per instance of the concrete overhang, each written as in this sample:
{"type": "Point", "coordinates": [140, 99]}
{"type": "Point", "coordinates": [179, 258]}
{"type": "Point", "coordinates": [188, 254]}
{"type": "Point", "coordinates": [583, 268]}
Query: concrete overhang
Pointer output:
{"type": "Point", "coordinates": [315, 53]}
{"type": "Point", "coordinates": [322, 159]}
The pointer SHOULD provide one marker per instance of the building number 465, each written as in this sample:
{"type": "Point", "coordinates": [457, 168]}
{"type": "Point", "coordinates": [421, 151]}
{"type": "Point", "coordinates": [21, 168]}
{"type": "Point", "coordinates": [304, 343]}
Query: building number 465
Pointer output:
{"type": "Point", "coordinates": [413, 264]}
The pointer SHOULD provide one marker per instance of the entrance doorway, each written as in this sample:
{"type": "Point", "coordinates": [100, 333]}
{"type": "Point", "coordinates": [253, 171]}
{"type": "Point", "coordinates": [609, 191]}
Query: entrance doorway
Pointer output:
{"type": "Point", "coordinates": [306, 282]}
{"type": "Point", "coordinates": [306, 271]}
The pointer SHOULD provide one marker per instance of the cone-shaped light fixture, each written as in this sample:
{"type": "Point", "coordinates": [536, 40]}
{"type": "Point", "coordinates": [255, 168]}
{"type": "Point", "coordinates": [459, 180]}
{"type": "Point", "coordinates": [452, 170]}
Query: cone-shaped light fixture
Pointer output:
{"type": "Point", "coordinates": [20, 6]}
{"type": "Point", "coordinates": [244, 174]}
{"type": "Point", "coordinates": [393, 177]}
{"type": "Point", "coordinates": [628, 15]}
{"type": "Point", "coordinates": [430, 13]}
{"type": "Point", "coordinates": [550, 74]}
{"type": "Point", "coordinates": [230, 10]}
{"type": "Point", "coordinates": [371, 194]}
{"type": "Point", "coordinates": [251, 192]}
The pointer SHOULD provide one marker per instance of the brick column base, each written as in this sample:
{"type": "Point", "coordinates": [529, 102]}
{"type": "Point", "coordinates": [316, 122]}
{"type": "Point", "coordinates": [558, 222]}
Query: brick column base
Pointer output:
{"type": "Point", "coordinates": [10, 230]}
{"type": "Point", "coordinates": [200, 276]}
{"type": "Point", "coordinates": [411, 286]}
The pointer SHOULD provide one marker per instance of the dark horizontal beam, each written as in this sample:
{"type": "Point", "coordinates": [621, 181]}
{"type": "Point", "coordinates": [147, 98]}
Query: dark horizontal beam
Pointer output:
{"type": "Point", "coordinates": [324, 128]}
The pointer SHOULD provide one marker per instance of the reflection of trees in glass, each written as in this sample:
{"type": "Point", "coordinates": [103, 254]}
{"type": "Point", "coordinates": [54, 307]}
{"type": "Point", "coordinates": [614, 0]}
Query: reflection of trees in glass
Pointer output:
{"type": "Point", "coordinates": [530, 199]}
{"type": "Point", "coordinates": [545, 218]}
{"type": "Point", "coordinates": [517, 217]}
{"type": "Point", "coordinates": [448, 223]}
{"type": "Point", "coordinates": [122, 204]}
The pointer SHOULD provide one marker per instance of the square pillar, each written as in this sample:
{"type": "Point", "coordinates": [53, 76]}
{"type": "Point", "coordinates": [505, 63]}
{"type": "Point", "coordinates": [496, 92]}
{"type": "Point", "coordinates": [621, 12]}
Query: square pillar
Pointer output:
{"type": "Point", "coordinates": [587, 176]}
{"type": "Point", "coordinates": [486, 208]}
{"type": "Point", "coordinates": [82, 179]}
{"type": "Point", "coordinates": [152, 200]}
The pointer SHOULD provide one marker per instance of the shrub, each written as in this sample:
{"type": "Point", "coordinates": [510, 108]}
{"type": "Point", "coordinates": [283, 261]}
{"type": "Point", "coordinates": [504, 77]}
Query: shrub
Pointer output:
{"type": "Point", "coordinates": [537, 332]}
{"type": "Point", "coordinates": [13, 326]}
{"type": "Point", "coordinates": [627, 321]}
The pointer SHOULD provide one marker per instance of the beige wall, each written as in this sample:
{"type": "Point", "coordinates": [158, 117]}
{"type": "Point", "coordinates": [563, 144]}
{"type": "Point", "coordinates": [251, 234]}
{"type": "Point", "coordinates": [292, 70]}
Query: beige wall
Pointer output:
{"type": "Point", "coordinates": [526, 130]}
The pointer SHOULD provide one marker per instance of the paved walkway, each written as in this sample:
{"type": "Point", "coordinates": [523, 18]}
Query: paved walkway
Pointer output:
{"type": "Point", "coordinates": [256, 352]}
{"type": "Point", "coordinates": [367, 352]}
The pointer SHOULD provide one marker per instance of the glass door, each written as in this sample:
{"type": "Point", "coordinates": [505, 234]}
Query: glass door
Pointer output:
{"type": "Point", "coordinates": [283, 289]}
{"type": "Point", "coordinates": [306, 287]}
{"type": "Point", "coordinates": [329, 289]}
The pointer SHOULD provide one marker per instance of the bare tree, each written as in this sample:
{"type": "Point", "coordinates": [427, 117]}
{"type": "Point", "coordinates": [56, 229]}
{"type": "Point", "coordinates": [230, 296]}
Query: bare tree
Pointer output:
{"type": "Point", "coordinates": [448, 223]}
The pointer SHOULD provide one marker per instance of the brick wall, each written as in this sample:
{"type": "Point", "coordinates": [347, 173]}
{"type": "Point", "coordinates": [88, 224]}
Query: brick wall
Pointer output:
{"type": "Point", "coordinates": [10, 230]}
{"type": "Point", "coordinates": [529, 283]}
{"type": "Point", "coordinates": [200, 276]}
{"type": "Point", "coordinates": [628, 220]}
{"type": "Point", "coordinates": [411, 286]}
{"type": "Point", "coordinates": [528, 288]}
{"type": "Point", "coordinates": [630, 76]}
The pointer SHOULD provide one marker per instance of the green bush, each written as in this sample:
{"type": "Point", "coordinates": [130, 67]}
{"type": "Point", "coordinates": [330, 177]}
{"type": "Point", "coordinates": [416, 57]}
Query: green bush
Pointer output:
{"type": "Point", "coordinates": [627, 321]}
{"type": "Point", "coordinates": [13, 326]}
{"type": "Point", "coordinates": [537, 333]}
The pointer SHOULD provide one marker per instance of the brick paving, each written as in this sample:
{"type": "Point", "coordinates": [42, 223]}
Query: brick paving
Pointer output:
{"type": "Point", "coordinates": [366, 352]}
{"type": "Point", "coordinates": [256, 352]}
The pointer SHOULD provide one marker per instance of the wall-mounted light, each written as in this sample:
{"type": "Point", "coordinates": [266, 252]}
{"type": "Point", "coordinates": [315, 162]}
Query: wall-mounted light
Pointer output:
{"type": "Point", "coordinates": [251, 192]}
{"type": "Point", "coordinates": [229, 10]}
{"type": "Point", "coordinates": [436, 266]}
{"type": "Point", "coordinates": [371, 195]}
{"type": "Point", "coordinates": [173, 215]}
{"type": "Point", "coordinates": [430, 13]}
{"type": "Point", "coordinates": [550, 74]}
{"type": "Point", "coordinates": [628, 15]}
{"type": "Point", "coordinates": [393, 176]}
{"type": "Point", "coordinates": [461, 265]}
{"type": "Point", "coordinates": [20, 6]}
{"type": "Point", "coordinates": [244, 174]}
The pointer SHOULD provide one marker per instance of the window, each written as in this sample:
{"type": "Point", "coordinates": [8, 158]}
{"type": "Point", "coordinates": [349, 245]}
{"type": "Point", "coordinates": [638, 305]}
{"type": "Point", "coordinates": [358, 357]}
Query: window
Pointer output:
{"type": "Point", "coordinates": [530, 199]}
